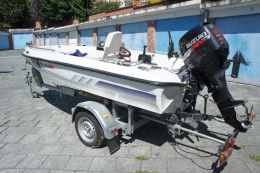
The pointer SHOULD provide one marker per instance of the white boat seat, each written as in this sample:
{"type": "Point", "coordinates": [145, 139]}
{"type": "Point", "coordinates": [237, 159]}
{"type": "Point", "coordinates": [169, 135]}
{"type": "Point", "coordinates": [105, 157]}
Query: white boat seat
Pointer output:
{"type": "Point", "coordinates": [112, 46]}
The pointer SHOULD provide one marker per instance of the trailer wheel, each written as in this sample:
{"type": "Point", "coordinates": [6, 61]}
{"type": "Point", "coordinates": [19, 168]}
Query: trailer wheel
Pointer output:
{"type": "Point", "coordinates": [89, 130]}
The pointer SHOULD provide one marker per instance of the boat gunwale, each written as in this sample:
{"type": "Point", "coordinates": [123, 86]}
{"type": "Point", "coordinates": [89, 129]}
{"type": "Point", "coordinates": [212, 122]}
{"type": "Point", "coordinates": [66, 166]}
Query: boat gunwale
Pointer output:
{"type": "Point", "coordinates": [109, 73]}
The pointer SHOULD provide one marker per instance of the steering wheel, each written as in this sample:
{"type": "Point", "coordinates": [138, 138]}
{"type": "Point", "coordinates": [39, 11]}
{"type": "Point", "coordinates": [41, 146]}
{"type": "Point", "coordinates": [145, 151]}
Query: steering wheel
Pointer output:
{"type": "Point", "coordinates": [125, 53]}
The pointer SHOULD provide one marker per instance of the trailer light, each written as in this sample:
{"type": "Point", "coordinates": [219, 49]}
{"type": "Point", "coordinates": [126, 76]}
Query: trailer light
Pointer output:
{"type": "Point", "coordinates": [113, 130]}
{"type": "Point", "coordinates": [223, 157]}
{"type": "Point", "coordinates": [253, 115]}
{"type": "Point", "coordinates": [232, 142]}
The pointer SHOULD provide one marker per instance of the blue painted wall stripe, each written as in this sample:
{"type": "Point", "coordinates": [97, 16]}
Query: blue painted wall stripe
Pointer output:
{"type": "Point", "coordinates": [86, 37]}
{"type": "Point", "coordinates": [243, 33]}
{"type": "Point", "coordinates": [4, 43]}
{"type": "Point", "coordinates": [38, 39]}
{"type": "Point", "coordinates": [177, 26]}
{"type": "Point", "coordinates": [54, 38]}
{"type": "Point", "coordinates": [103, 32]}
{"type": "Point", "coordinates": [62, 37]}
{"type": "Point", "coordinates": [20, 40]}
{"type": "Point", "coordinates": [135, 35]}
{"type": "Point", "coordinates": [47, 39]}
{"type": "Point", "coordinates": [42, 40]}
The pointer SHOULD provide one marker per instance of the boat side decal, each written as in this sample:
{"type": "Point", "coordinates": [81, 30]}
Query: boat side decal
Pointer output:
{"type": "Point", "coordinates": [48, 66]}
{"type": "Point", "coordinates": [116, 89]}
{"type": "Point", "coordinates": [127, 92]}
{"type": "Point", "coordinates": [76, 78]}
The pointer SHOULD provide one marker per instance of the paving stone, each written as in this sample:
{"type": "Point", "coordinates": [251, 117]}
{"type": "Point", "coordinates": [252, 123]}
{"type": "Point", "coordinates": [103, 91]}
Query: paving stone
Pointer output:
{"type": "Point", "coordinates": [163, 152]}
{"type": "Point", "coordinates": [36, 171]}
{"type": "Point", "coordinates": [148, 141]}
{"type": "Point", "coordinates": [31, 148]}
{"type": "Point", "coordinates": [28, 130]}
{"type": "Point", "coordinates": [140, 151]}
{"type": "Point", "coordinates": [13, 123]}
{"type": "Point", "coordinates": [128, 165]}
{"type": "Point", "coordinates": [64, 131]}
{"type": "Point", "coordinates": [253, 140]}
{"type": "Point", "coordinates": [49, 139]}
{"type": "Point", "coordinates": [29, 123]}
{"type": "Point", "coordinates": [11, 160]}
{"type": "Point", "coordinates": [73, 150]}
{"type": "Point", "coordinates": [206, 164]}
{"type": "Point", "coordinates": [79, 163]}
{"type": "Point", "coordinates": [12, 171]}
{"type": "Point", "coordinates": [123, 152]}
{"type": "Point", "coordinates": [11, 130]}
{"type": "Point", "coordinates": [1, 145]}
{"type": "Point", "coordinates": [2, 136]}
{"type": "Point", "coordinates": [51, 149]}
{"type": "Point", "coordinates": [27, 116]}
{"type": "Point", "coordinates": [42, 117]}
{"type": "Point", "coordinates": [61, 123]}
{"type": "Point", "coordinates": [155, 165]}
{"type": "Point", "coordinates": [46, 131]}
{"type": "Point", "coordinates": [11, 148]}
{"type": "Point", "coordinates": [103, 164]}
{"type": "Point", "coordinates": [180, 165]}
{"type": "Point", "coordinates": [95, 151]}
{"type": "Point", "coordinates": [13, 138]}
{"type": "Point", "coordinates": [55, 162]}
{"type": "Point", "coordinates": [30, 139]}
{"type": "Point", "coordinates": [67, 139]}
{"type": "Point", "coordinates": [60, 171]}
{"type": "Point", "coordinates": [32, 161]}
{"type": "Point", "coordinates": [44, 123]}
{"type": "Point", "coordinates": [236, 165]}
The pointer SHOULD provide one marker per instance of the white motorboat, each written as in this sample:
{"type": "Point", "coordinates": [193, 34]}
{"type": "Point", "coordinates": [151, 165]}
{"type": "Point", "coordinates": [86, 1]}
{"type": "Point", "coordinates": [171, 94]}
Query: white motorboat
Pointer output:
{"type": "Point", "coordinates": [151, 87]}
{"type": "Point", "coordinates": [156, 87]}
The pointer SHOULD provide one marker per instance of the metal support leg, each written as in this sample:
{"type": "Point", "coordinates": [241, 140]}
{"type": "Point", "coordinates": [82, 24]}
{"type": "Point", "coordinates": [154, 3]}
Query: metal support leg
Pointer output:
{"type": "Point", "coordinates": [130, 119]}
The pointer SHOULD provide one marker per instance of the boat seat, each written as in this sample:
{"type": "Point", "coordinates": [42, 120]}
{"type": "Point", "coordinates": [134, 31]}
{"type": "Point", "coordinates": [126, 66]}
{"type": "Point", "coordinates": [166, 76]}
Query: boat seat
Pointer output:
{"type": "Point", "coordinates": [112, 46]}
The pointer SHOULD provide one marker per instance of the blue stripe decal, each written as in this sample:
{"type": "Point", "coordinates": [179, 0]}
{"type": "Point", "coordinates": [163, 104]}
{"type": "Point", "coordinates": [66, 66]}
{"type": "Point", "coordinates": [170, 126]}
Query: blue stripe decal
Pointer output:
{"type": "Point", "coordinates": [127, 92]}
{"type": "Point", "coordinates": [76, 78]}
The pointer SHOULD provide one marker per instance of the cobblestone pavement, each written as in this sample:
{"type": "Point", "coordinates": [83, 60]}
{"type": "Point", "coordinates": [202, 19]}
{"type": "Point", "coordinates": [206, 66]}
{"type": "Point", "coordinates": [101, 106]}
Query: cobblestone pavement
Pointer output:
{"type": "Point", "coordinates": [36, 135]}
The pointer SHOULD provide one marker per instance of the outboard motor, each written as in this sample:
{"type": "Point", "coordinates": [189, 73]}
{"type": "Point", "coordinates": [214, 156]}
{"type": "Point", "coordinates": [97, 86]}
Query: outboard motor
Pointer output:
{"type": "Point", "coordinates": [205, 50]}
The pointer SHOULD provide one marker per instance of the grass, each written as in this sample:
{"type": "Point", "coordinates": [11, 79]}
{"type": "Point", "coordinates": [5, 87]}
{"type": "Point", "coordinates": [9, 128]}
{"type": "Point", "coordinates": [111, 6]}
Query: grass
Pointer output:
{"type": "Point", "coordinates": [142, 158]}
{"type": "Point", "coordinates": [255, 157]}
{"type": "Point", "coordinates": [243, 146]}
{"type": "Point", "coordinates": [141, 171]}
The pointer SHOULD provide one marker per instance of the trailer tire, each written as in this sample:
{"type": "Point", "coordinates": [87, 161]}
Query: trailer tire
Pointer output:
{"type": "Point", "coordinates": [89, 130]}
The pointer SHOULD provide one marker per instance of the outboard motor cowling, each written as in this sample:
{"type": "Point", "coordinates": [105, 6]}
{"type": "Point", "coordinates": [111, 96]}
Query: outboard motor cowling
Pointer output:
{"type": "Point", "coordinates": [205, 50]}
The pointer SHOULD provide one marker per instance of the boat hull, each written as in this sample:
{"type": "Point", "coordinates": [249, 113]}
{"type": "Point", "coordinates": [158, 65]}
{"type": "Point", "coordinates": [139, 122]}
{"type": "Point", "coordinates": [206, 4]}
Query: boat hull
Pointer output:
{"type": "Point", "coordinates": [149, 96]}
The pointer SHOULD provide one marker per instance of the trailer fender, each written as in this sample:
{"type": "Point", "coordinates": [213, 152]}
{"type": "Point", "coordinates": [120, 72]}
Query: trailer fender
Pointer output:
{"type": "Point", "coordinates": [101, 113]}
